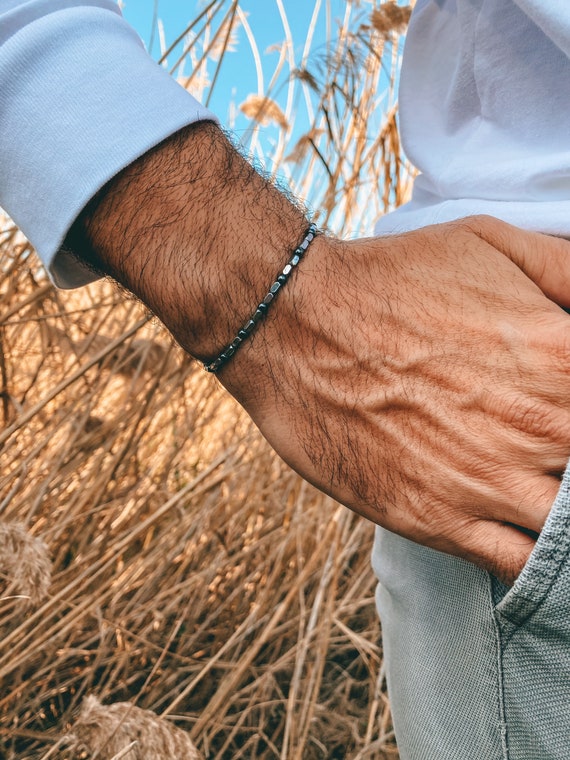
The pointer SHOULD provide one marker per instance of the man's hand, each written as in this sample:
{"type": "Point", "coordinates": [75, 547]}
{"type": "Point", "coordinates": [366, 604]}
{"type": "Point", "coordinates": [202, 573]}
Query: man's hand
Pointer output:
{"type": "Point", "coordinates": [423, 379]}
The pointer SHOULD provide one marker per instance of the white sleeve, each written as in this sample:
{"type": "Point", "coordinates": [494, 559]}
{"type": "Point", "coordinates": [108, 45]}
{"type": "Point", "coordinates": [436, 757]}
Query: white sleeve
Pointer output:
{"type": "Point", "coordinates": [80, 99]}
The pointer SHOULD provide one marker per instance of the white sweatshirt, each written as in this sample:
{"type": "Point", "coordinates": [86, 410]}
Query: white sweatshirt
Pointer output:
{"type": "Point", "coordinates": [80, 99]}
{"type": "Point", "coordinates": [485, 113]}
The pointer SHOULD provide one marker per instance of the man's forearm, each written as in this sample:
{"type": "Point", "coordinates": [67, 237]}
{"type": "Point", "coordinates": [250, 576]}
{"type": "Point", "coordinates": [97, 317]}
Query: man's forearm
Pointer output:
{"type": "Point", "coordinates": [194, 231]}
{"type": "Point", "coordinates": [420, 379]}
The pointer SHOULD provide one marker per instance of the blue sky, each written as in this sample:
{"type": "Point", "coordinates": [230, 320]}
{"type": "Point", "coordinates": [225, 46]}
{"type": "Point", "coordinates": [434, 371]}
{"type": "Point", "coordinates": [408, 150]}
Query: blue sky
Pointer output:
{"type": "Point", "coordinates": [238, 75]}
{"type": "Point", "coordinates": [238, 79]}
{"type": "Point", "coordinates": [263, 16]}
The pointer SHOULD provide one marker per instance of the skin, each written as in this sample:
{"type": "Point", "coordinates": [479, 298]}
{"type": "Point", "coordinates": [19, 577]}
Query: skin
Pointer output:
{"type": "Point", "coordinates": [421, 379]}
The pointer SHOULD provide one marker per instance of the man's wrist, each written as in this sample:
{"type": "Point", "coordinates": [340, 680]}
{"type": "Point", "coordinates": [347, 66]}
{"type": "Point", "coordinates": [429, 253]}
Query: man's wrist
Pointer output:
{"type": "Point", "coordinates": [195, 232]}
{"type": "Point", "coordinates": [262, 309]}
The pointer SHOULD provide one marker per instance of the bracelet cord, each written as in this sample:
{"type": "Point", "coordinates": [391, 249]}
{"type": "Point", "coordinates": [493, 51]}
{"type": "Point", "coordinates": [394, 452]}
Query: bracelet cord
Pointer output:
{"type": "Point", "coordinates": [263, 307]}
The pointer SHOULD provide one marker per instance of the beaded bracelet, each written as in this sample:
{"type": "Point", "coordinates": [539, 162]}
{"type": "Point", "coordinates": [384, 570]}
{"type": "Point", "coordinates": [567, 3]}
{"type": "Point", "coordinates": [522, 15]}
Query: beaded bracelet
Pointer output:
{"type": "Point", "coordinates": [263, 307]}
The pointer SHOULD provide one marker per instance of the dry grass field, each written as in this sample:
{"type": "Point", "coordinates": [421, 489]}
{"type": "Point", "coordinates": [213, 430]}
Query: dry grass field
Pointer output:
{"type": "Point", "coordinates": [165, 580]}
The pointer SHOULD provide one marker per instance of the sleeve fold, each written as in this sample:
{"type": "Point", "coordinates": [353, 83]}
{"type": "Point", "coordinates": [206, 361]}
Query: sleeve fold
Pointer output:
{"type": "Point", "coordinates": [80, 99]}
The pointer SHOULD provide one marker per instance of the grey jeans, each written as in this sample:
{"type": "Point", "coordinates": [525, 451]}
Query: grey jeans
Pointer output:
{"type": "Point", "coordinates": [477, 671]}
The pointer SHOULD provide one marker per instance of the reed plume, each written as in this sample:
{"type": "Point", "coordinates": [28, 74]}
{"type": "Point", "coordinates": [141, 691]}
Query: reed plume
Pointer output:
{"type": "Point", "coordinates": [124, 730]}
{"type": "Point", "coordinates": [25, 566]}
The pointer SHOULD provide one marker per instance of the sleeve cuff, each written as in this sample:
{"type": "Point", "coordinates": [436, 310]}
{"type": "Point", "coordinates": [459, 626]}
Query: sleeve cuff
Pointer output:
{"type": "Point", "coordinates": [80, 100]}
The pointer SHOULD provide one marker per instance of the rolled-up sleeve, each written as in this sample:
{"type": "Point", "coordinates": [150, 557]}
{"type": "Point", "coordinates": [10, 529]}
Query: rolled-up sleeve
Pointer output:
{"type": "Point", "coordinates": [80, 99]}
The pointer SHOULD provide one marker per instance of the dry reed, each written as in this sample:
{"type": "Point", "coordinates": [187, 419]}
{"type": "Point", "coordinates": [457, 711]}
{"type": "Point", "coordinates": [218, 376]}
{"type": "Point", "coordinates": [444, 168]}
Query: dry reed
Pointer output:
{"type": "Point", "coordinates": [193, 574]}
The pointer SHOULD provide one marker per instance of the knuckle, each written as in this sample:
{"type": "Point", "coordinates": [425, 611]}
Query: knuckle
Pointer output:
{"type": "Point", "coordinates": [500, 558]}
{"type": "Point", "coordinates": [507, 570]}
{"type": "Point", "coordinates": [478, 223]}
{"type": "Point", "coordinates": [483, 220]}
{"type": "Point", "coordinates": [559, 344]}
{"type": "Point", "coordinates": [535, 418]}
{"type": "Point", "coordinates": [548, 338]}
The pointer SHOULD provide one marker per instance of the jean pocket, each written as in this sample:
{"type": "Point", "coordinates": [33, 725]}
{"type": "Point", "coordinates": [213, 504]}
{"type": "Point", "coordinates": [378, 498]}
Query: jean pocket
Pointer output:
{"type": "Point", "coordinates": [545, 564]}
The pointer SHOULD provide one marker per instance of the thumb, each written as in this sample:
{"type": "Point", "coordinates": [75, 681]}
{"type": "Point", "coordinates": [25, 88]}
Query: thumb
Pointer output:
{"type": "Point", "coordinates": [544, 259]}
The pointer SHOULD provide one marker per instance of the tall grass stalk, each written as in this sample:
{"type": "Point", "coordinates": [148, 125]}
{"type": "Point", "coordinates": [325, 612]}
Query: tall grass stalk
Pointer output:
{"type": "Point", "coordinates": [168, 559]}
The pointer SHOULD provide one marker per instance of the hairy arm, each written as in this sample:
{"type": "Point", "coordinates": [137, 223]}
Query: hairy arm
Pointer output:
{"type": "Point", "coordinates": [195, 232]}
{"type": "Point", "coordinates": [420, 379]}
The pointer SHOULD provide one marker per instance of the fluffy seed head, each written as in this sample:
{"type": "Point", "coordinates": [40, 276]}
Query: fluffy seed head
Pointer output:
{"type": "Point", "coordinates": [25, 566]}
{"type": "Point", "coordinates": [126, 731]}
{"type": "Point", "coordinates": [391, 17]}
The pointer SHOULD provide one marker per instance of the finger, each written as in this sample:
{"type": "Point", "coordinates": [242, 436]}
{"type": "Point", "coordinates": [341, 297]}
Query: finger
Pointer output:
{"type": "Point", "coordinates": [545, 259]}
{"type": "Point", "coordinates": [501, 550]}
{"type": "Point", "coordinates": [530, 512]}
{"type": "Point", "coordinates": [516, 496]}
